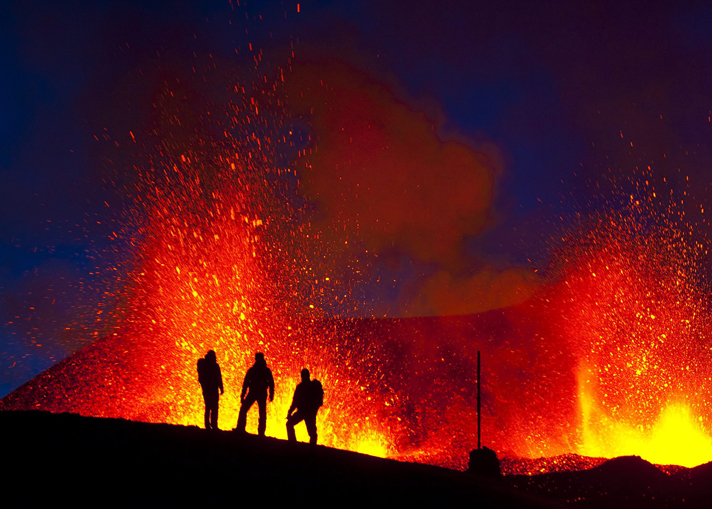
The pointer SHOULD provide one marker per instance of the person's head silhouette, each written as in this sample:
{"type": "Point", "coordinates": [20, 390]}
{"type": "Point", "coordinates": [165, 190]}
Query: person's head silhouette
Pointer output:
{"type": "Point", "coordinates": [305, 375]}
{"type": "Point", "coordinates": [210, 356]}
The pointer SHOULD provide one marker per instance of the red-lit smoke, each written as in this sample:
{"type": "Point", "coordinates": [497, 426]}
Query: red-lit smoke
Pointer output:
{"type": "Point", "coordinates": [384, 181]}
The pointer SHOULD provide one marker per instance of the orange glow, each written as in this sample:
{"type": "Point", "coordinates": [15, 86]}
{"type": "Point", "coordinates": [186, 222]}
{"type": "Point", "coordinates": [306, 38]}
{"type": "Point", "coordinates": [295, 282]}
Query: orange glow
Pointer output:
{"type": "Point", "coordinates": [202, 284]}
{"type": "Point", "coordinates": [217, 260]}
{"type": "Point", "coordinates": [674, 438]}
{"type": "Point", "coordinates": [612, 356]}
{"type": "Point", "coordinates": [639, 325]}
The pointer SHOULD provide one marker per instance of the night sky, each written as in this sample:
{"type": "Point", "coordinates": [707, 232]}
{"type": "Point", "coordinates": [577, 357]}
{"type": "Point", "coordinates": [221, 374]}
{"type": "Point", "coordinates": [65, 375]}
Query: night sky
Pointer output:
{"type": "Point", "coordinates": [567, 103]}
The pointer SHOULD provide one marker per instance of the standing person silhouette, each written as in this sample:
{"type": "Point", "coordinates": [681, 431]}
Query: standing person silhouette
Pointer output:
{"type": "Point", "coordinates": [257, 380]}
{"type": "Point", "coordinates": [308, 397]}
{"type": "Point", "coordinates": [210, 380]}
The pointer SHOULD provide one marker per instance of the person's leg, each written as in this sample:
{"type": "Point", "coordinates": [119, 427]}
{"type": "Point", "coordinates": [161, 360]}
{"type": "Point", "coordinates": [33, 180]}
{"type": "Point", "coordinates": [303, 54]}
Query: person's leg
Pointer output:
{"type": "Point", "coordinates": [310, 421]}
{"type": "Point", "coordinates": [291, 422]}
{"type": "Point", "coordinates": [262, 426]}
{"type": "Point", "coordinates": [242, 418]}
{"type": "Point", "coordinates": [207, 412]}
{"type": "Point", "coordinates": [211, 406]}
{"type": "Point", "coordinates": [214, 414]}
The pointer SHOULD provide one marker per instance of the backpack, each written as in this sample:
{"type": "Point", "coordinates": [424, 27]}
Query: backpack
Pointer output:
{"type": "Point", "coordinates": [317, 393]}
{"type": "Point", "coordinates": [201, 371]}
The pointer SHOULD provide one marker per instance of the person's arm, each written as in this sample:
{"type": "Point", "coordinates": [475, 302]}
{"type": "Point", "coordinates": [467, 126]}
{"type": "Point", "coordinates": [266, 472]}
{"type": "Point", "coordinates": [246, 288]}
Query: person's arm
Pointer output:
{"type": "Point", "coordinates": [222, 391]}
{"type": "Point", "coordinates": [294, 404]}
{"type": "Point", "coordinates": [271, 385]}
{"type": "Point", "coordinates": [245, 385]}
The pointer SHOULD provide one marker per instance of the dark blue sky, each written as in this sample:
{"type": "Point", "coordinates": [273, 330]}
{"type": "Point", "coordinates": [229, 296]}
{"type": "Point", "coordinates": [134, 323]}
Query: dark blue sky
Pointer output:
{"type": "Point", "coordinates": [561, 88]}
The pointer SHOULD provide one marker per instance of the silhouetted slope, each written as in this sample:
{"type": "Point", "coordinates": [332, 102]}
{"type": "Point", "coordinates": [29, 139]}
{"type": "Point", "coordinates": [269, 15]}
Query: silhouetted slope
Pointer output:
{"type": "Point", "coordinates": [624, 482]}
{"type": "Point", "coordinates": [99, 462]}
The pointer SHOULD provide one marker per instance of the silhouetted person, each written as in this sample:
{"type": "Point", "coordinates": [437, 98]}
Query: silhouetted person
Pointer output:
{"type": "Point", "coordinates": [210, 380]}
{"type": "Point", "coordinates": [257, 381]}
{"type": "Point", "coordinates": [308, 397]}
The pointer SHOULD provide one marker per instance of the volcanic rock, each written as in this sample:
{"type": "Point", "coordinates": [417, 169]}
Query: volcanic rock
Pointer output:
{"type": "Point", "coordinates": [484, 462]}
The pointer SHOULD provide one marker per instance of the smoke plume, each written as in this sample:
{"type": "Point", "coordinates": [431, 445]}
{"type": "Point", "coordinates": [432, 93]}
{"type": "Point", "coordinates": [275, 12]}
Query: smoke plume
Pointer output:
{"type": "Point", "coordinates": [384, 180]}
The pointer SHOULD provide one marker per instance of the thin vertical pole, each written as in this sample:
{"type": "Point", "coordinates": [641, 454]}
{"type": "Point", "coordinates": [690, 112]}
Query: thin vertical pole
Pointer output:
{"type": "Point", "coordinates": [479, 414]}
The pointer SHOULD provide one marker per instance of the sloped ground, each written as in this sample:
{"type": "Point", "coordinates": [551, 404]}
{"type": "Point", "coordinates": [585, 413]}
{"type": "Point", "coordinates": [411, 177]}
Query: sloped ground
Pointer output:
{"type": "Point", "coordinates": [99, 462]}
{"type": "Point", "coordinates": [624, 482]}
{"type": "Point", "coordinates": [104, 462]}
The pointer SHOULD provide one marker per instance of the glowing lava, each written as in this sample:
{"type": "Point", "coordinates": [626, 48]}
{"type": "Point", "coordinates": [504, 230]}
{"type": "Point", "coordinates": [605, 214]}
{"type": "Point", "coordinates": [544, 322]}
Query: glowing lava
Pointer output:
{"type": "Point", "coordinates": [612, 357]}
{"type": "Point", "coordinates": [635, 312]}
{"type": "Point", "coordinates": [673, 439]}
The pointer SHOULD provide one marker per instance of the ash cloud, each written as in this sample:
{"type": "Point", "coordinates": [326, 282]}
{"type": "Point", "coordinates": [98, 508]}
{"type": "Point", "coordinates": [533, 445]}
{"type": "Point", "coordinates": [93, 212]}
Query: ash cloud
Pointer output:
{"type": "Point", "coordinates": [383, 181]}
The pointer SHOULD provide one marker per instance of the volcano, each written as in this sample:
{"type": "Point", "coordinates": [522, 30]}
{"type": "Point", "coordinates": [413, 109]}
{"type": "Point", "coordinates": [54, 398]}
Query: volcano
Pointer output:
{"type": "Point", "coordinates": [426, 417]}
{"type": "Point", "coordinates": [529, 394]}
{"type": "Point", "coordinates": [406, 390]}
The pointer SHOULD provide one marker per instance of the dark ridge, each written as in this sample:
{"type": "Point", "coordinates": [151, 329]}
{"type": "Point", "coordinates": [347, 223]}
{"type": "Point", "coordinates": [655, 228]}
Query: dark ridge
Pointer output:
{"type": "Point", "coordinates": [86, 460]}
{"type": "Point", "coordinates": [98, 461]}
{"type": "Point", "coordinates": [513, 465]}
{"type": "Point", "coordinates": [624, 482]}
{"type": "Point", "coordinates": [626, 468]}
